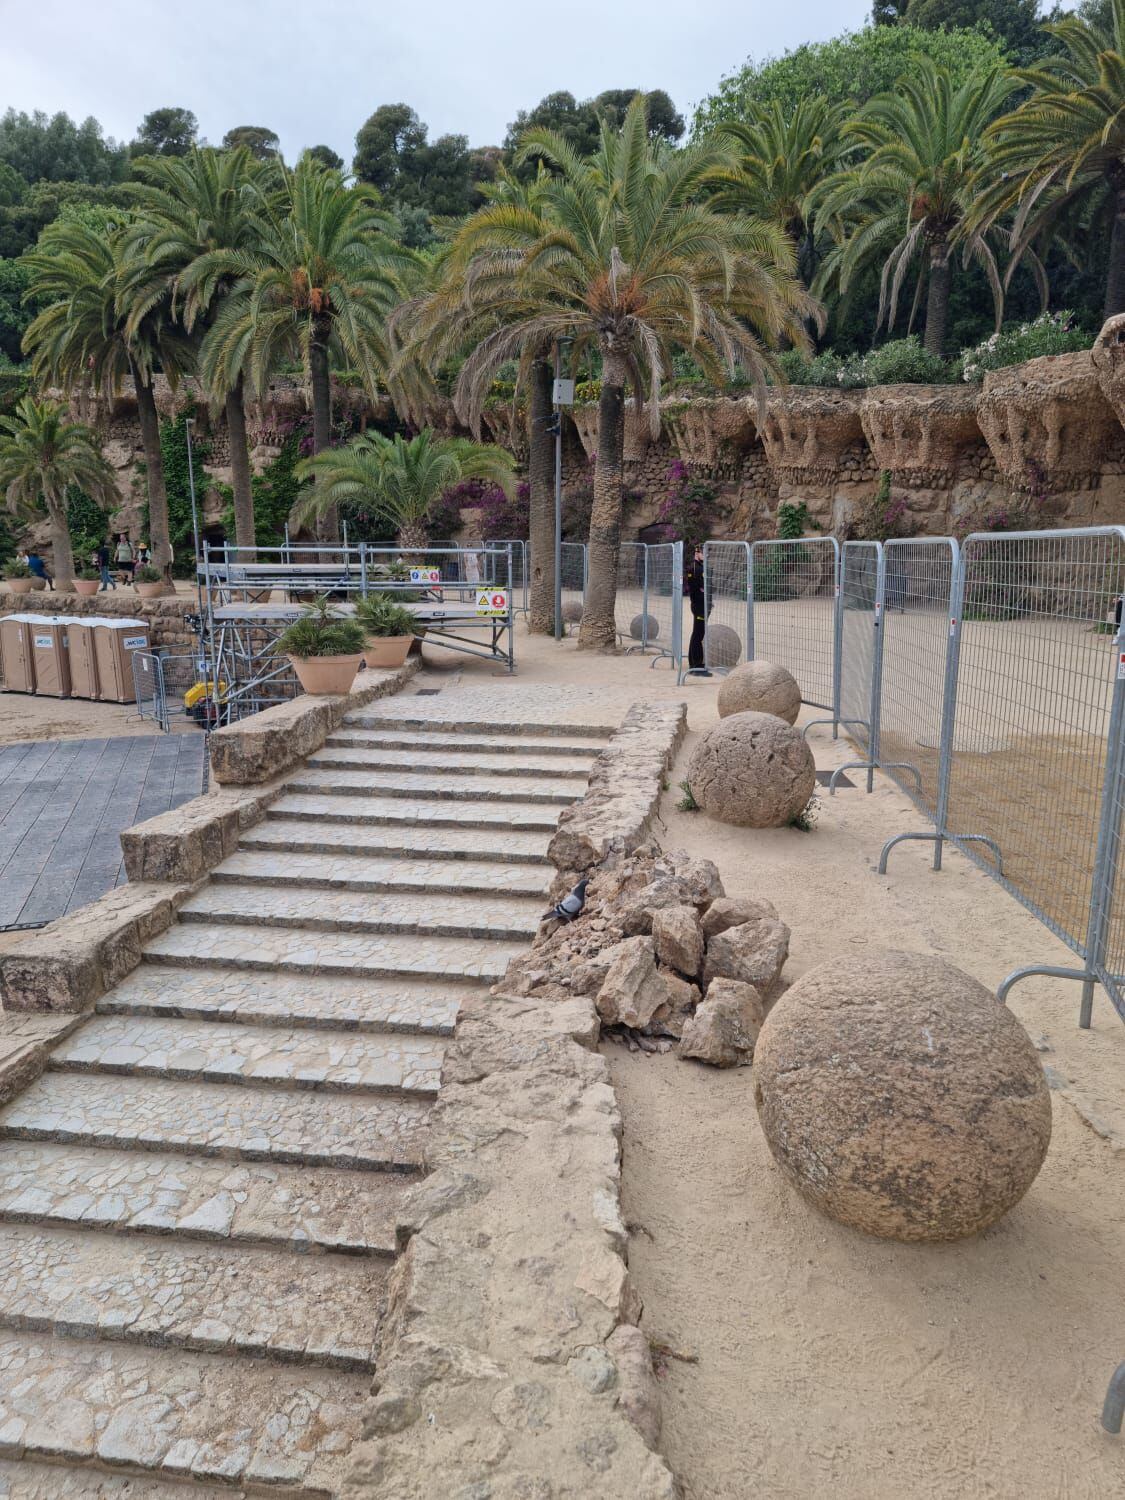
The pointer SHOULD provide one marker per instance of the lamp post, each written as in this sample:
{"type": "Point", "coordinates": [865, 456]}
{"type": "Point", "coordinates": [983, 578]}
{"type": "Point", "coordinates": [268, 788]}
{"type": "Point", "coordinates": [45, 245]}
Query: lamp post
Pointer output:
{"type": "Point", "coordinates": [189, 423]}
{"type": "Point", "coordinates": [562, 395]}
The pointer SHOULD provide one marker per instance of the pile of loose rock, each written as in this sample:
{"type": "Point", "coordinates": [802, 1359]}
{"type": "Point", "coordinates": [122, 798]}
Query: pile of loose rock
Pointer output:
{"type": "Point", "coordinates": [666, 956]}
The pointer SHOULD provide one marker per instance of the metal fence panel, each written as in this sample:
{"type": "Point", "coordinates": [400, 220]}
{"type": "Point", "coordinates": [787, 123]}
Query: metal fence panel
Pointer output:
{"type": "Point", "coordinates": [859, 623]}
{"type": "Point", "coordinates": [727, 605]}
{"type": "Point", "coordinates": [665, 598]}
{"type": "Point", "coordinates": [795, 615]}
{"type": "Point", "coordinates": [148, 687]}
{"type": "Point", "coordinates": [572, 564]}
{"type": "Point", "coordinates": [630, 609]}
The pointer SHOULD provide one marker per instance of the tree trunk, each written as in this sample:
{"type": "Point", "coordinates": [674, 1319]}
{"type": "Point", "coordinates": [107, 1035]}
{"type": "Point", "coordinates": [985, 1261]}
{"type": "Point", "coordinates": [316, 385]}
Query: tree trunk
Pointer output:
{"type": "Point", "coordinates": [1115, 280]}
{"type": "Point", "coordinates": [62, 553]}
{"type": "Point", "coordinates": [937, 302]}
{"type": "Point", "coordinates": [413, 537]}
{"type": "Point", "coordinates": [149, 420]}
{"type": "Point", "coordinates": [598, 631]}
{"type": "Point", "coordinates": [541, 475]}
{"type": "Point", "coordinates": [328, 523]}
{"type": "Point", "coordinates": [240, 474]}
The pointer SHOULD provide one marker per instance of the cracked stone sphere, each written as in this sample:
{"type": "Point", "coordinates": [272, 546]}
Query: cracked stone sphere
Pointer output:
{"type": "Point", "coordinates": [899, 1097]}
{"type": "Point", "coordinates": [723, 647]}
{"type": "Point", "coordinates": [637, 628]}
{"type": "Point", "coordinates": [760, 687]}
{"type": "Point", "coordinates": [572, 611]}
{"type": "Point", "coordinates": [753, 770]}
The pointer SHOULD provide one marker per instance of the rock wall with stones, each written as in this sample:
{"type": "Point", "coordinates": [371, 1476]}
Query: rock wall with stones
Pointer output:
{"type": "Point", "coordinates": [166, 618]}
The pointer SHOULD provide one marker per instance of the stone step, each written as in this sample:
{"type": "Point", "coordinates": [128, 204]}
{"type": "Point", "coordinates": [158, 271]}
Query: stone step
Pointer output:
{"type": "Point", "coordinates": [305, 951]}
{"type": "Point", "coordinates": [450, 763]}
{"type": "Point", "coordinates": [298, 1209]}
{"type": "Point", "coordinates": [440, 877]}
{"type": "Point", "coordinates": [212, 1119]}
{"type": "Point", "coordinates": [435, 724]}
{"type": "Point", "coordinates": [255, 1056]}
{"type": "Point", "coordinates": [307, 1000]}
{"type": "Point", "coordinates": [127, 1418]}
{"type": "Point", "coordinates": [316, 911]}
{"type": "Point", "coordinates": [498, 744]}
{"type": "Point", "coordinates": [426, 816]}
{"type": "Point", "coordinates": [406, 785]}
{"type": "Point", "coordinates": [167, 1293]}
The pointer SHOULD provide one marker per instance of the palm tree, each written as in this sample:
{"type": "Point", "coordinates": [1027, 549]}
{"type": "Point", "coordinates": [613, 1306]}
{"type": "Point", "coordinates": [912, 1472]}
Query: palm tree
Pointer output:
{"type": "Point", "coordinates": [1059, 158]}
{"type": "Point", "coordinates": [618, 253]}
{"type": "Point", "coordinates": [191, 210]}
{"type": "Point", "coordinates": [41, 456]}
{"type": "Point", "coordinates": [911, 194]}
{"type": "Point", "coordinates": [317, 283]}
{"type": "Point", "coordinates": [86, 337]}
{"type": "Point", "coordinates": [401, 478]}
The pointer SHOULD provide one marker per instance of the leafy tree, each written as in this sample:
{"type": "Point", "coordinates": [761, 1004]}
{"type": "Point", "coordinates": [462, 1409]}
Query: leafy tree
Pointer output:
{"type": "Point", "coordinates": [617, 252]}
{"type": "Point", "coordinates": [41, 456]}
{"type": "Point", "coordinates": [1059, 158]}
{"type": "Point", "coordinates": [55, 149]}
{"type": "Point", "coordinates": [400, 478]}
{"type": "Point", "coordinates": [443, 185]}
{"type": "Point", "coordinates": [13, 189]}
{"type": "Point", "coordinates": [579, 124]}
{"type": "Point", "coordinates": [386, 145]}
{"type": "Point", "coordinates": [22, 223]}
{"type": "Point", "coordinates": [850, 69]}
{"type": "Point", "coordinates": [261, 143]}
{"type": "Point", "coordinates": [85, 337]}
{"type": "Point", "coordinates": [665, 123]}
{"type": "Point", "coordinates": [166, 132]}
{"type": "Point", "coordinates": [889, 12]}
{"type": "Point", "coordinates": [1015, 23]}
{"type": "Point", "coordinates": [910, 195]}
{"type": "Point", "coordinates": [327, 158]}
{"type": "Point", "coordinates": [15, 278]}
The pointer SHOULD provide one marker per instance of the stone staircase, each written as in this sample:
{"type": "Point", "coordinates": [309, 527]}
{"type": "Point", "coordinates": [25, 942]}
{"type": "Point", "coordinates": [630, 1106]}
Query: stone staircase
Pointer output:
{"type": "Point", "coordinates": [198, 1197]}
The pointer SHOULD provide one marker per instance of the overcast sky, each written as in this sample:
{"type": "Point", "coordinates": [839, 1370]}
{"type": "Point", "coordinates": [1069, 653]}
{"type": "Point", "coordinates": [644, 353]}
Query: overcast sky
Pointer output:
{"type": "Point", "coordinates": [314, 71]}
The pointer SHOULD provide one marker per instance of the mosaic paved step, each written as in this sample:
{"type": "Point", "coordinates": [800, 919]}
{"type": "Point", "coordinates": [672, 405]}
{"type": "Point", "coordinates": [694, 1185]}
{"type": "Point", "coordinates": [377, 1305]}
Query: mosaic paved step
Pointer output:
{"type": "Point", "coordinates": [451, 763]}
{"type": "Point", "coordinates": [463, 788]}
{"type": "Point", "coordinates": [478, 744]}
{"type": "Point", "coordinates": [392, 810]}
{"type": "Point", "coordinates": [358, 873]}
{"type": "Point", "coordinates": [306, 951]}
{"type": "Point", "coordinates": [442, 719]}
{"type": "Point", "coordinates": [211, 1119]}
{"type": "Point", "coordinates": [258, 1056]}
{"type": "Point", "coordinates": [319, 910]}
{"type": "Point", "coordinates": [169, 1293]}
{"type": "Point", "coordinates": [339, 1004]}
{"type": "Point", "coordinates": [337, 833]}
{"type": "Point", "coordinates": [171, 1415]}
{"type": "Point", "coordinates": [290, 1208]}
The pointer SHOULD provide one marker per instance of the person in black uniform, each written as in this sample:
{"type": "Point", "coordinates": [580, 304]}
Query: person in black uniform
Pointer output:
{"type": "Point", "coordinates": [698, 600]}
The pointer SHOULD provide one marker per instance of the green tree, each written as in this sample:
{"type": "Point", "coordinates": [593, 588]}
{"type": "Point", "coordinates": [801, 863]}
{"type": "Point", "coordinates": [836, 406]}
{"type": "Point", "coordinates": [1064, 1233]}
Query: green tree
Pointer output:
{"type": "Point", "coordinates": [399, 478]}
{"type": "Point", "coordinates": [22, 222]}
{"type": "Point", "coordinates": [579, 123]}
{"type": "Point", "coordinates": [618, 253]}
{"type": "Point", "coordinates": [15, 278]}
{"type": "Point", "coordinates": [166, 132]}
{"type": "Point", "coordinates": [386, 146]}
{"type": "Point", "coordinates": [1015, 23]}
{"type": "Point", "coordinates": [87, 337]}
{"type": "Point", "coordinates": [55, 149]}
{"type": "Point", "coordinates": [327, 158]}
{"type": "Point", "coordinates": [910, 195]}
{"type": "Point", "coordinates": [41, 456]}
{"type": "Point", "coordinates": [262, 144]}
{"type": "Point", "coordinates": [1058, 159]}
{"type": "Point", "coordinates": [850, 69]}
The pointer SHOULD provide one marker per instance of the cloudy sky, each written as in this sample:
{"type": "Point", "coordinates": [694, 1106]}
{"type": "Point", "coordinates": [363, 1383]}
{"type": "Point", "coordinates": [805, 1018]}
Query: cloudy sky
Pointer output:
{"type": "Point", "coordinates": [313, 71]}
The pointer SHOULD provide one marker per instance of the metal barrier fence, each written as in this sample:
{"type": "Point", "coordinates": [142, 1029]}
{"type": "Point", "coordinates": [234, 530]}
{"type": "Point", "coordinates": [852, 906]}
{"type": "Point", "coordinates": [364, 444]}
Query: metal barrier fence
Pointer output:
{"type": "Point", "coordinates": [795, 615]}
{"type": "Point", "coordinates": [574, 567]}
{"type": "Point", "coordinates": [728, 633]}
{"type": "Point", "coordinates": [664, 600]}
{"type": "Point", "coordinates": [148, 687]}
{"type": "Point", "coordinates": [631, 605]}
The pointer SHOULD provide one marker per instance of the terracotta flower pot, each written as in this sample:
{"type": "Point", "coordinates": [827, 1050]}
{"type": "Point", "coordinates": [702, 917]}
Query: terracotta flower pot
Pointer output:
{"type": "Point", "coordinates": [326, 674]}
{"type": "Point", "coordinates": [19, 585]}
{"type": "Point", "coordinates": [87, 586]}
{"type": "Point", "coordinates": [149, 590]}
{"type": "Point", "coordinates": [387, 650]}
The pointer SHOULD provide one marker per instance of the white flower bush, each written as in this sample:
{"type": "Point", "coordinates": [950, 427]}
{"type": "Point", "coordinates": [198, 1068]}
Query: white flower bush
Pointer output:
{"type": "Point", "coordinates": [1049, 333]}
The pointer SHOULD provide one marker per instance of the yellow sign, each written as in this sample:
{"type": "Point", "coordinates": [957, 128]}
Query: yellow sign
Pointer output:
{"type": "Point", "coordinates": [492, 601]}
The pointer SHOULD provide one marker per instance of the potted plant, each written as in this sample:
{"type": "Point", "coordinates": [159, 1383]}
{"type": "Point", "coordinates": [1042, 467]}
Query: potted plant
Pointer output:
{"type": "Point", "coordinates": [17, 576]}
{"type": "Point", "coordinates": [324, 648]}
{"type": "Point", "coordinates": [87, 581]}
{"type": "Point", "coordinates": [148, 581]}
{"type": "Point", "coordinates": [389, 629]}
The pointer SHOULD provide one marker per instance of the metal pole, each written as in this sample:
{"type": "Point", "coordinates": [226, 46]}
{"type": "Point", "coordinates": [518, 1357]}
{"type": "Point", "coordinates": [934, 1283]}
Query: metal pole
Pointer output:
{"type": "Point", "coordinates": [189, 423]}
{"type": "Point", "coordinates": [558, 499]}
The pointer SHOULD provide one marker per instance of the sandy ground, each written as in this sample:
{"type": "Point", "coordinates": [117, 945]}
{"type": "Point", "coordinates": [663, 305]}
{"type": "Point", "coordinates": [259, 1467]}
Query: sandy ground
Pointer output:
{"type": "Point", "coordinates": [26, 716]}
{"type": "Point", "coordinates": [809, 1360]}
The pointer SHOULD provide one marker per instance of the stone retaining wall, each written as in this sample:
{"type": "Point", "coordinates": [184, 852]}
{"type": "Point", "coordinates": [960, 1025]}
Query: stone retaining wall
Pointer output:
{"type": "Point", "coordinates": [165, 617]}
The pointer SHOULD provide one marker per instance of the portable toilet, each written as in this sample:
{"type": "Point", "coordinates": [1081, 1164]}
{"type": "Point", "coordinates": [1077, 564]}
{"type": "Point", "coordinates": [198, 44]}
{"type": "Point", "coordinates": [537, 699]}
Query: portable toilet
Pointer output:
{"type": "Point", "coordinates": [114, 644]}
{"type": "Point", "coordinates": [49, 648]}
{"type": "Point", "coordinates": [16, 648]}
{"type": "Point", "coordinates": [83, 659]}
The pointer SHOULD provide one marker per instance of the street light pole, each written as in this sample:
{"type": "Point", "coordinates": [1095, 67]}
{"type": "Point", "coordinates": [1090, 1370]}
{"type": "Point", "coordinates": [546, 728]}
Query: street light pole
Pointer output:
{"type": "Point", "coordinates": [189, 423]}
{"type": "Point", "coordinates": [563, 395]}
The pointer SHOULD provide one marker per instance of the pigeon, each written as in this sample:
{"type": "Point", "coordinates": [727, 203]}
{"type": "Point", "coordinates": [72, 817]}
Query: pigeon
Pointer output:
{"type": "Point", "coordinates": [570, 906]}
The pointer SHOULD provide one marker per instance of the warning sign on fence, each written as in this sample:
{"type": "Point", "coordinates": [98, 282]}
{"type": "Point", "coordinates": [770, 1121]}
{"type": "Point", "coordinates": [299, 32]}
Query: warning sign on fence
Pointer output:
{"type": "Point", "coordinates": [425, 575]}
{"type": "Point", "coordinates": [492, 601]}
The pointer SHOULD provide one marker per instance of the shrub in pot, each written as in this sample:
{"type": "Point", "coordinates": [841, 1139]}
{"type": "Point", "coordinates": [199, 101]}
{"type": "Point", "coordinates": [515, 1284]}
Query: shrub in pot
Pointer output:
{"type": "Point", "coordinates": [87, 581]}
{"type": "Point", "coordinates": [148, 582]}
{"type": "Point", "coordinates": [324, 648]}
{"type": "Point", "coordinates": [17, 576]}
{"type": "Point", "coordinates": [389, 629]}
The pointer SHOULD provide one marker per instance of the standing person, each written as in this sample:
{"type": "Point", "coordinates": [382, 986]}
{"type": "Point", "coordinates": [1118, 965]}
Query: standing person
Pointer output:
{"type": "Point", "coordinates": [101, 561]}
{"type": "Point", "coordinates": [37, 569]}
{"type": "Point", "coordinates": [697, 596]}
{"type": "Point", "coordinates": [124, 557]}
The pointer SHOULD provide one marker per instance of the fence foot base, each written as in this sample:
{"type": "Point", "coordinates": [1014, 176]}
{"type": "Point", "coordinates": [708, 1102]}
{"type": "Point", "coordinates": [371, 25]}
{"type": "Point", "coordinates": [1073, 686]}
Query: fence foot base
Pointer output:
{"type": "Point", "coordinates": [813, 723]}
{"type": "Point", "coordinates": [851, 765]}
{"type": "Point", "coordinates": [901, 765]}
{"type": "Point", "coordinates": [1114, 1408]}
{"type": "Point", "coordinates": [936, 839]}
{"type": "Point", "coordinates": [1053, 971]}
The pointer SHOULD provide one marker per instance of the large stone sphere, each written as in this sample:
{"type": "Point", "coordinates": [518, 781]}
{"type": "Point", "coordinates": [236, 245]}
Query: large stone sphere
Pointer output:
{"type": "Point", "coordinates": [899, 1097]}
{"type": "Point", "coordinates": [753, 770]}
{"type": "Point", "coordinates": [760, 687]}
{"type": "Point", "coordinates": [637, 628]}
{"type": "Point", "coordinates": [572, 611]}
{"type": "Point", "coordinates": [724, 648]}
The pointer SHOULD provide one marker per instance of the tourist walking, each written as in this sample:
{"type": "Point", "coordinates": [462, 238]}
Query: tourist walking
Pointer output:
{"type": "Point", "coordinates": [123, 556]}
{"type": "Point", "coordinates": [697, 597]}
{"type": "Point", "coordinates": [37, 568]}
{"type": "Point", "coordinates": [102, 559]}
